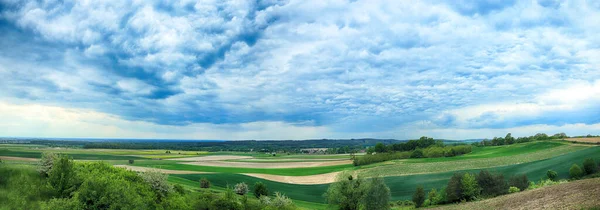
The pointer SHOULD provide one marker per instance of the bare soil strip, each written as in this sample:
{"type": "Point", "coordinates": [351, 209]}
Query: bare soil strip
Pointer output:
{"type": "Point", "coordinates": [283, 160]}
{"type": "Point", "coordinates": [144, 169]}
{"type": "Point", "coordinates": [312, 179]}
{"type": "Point", "coordinates": [213, 157]}
{"type": "Point", "coordinates": [582, 194]}
{"type": "Point", "coordinates": [586, 140]}
{"type": "Point", "coordinates": [268, 164]}
{"type": "Point", "coordinates": [18, 158]}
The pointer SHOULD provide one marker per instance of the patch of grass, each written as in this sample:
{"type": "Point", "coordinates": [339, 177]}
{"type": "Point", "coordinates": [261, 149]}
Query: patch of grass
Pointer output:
{"type": "Point", "coordinates": [173, 165]}
{"type": "Point", "coordinates": [76, 156]}
{"type": "Point", "coordinates": [307, 193]}
{"type": "Point", "coordinates": [494, 159]}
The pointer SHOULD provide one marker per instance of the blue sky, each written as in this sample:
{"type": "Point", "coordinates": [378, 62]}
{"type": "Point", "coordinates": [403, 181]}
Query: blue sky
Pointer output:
{"type": "Point", "coordinates": [299, 69]}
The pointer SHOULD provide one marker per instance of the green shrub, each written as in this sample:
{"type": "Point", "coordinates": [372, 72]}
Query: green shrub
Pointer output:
{"type": "Point", "coordinates": [491, 184]}
{"type": "Point", "coordinates": [62, 177]}
{"type": "Point", "coordinates": [158, 181]}
{"type": "Point", "coordinates": [418, 153]}
{"type": "Point", "coordinates": [179, 189]}
{"type": "Point", "coordinates": [470, 188]}
{"type": "Point", "coordinates": [419, 197]}
{"type": "Point", "coordinates": [513, 189]}
{"type": "Point", "coordinates": [434, 197]}
{"type": "Point", "coordinates": [131, 161]}
{"type": "Point", "coordinates": [519, 181]}
{"type": "Point", "coordinates": [346, 193]}
{"type": "Point", "coordinates": [575, 172]}
{"type": "Point", "coordinates": [204, 183]}
{"type": "Point", "coordinates": [589, 166]}
{"type": "Point", "coordinates": [377, 195]}
{"type": "Point", "coordinates": [454, 188]}
{"type": "Point", "coordinates": [260, 189]}
{"type": "Point", "coordinates": [552, 175]}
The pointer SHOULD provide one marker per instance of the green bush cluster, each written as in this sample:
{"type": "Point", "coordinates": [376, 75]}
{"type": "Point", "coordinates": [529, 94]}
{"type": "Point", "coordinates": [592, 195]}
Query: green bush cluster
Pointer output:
{"type": "Point", "coordinates": [98, 185]}
{"type": "Point", "coordinates": [350, 193]}
{"type": "Point", "coordinates": [429, 152]}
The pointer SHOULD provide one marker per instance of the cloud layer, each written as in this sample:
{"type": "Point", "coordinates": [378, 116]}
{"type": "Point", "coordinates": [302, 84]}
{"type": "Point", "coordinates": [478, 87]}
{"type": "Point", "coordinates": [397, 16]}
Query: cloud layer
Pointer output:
{"type": "Point", "coordinates": [303, 69]}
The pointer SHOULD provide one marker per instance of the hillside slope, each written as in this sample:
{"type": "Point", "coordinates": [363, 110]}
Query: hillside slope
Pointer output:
{"type": "Point", "coordinates": [582, 194]}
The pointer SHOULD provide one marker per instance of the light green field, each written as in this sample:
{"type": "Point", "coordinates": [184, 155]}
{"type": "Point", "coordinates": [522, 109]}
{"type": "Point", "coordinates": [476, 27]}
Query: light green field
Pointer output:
{"type": "Point", "coordinates": [485, 157]}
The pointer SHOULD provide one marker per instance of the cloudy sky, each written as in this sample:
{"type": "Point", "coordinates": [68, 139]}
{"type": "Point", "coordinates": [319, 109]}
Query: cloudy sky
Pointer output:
{"type": "Point", "coordinates": [298, 69]}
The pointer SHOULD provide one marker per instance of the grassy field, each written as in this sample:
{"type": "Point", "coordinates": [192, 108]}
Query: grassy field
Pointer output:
{"type": "Point", "coordinates": [594, 140]}
{"type": "Point", "coordinates": [76, 156]}
{"type": "Point", "coordinates": [402, 187]}
{"type": "Point", "coordinates": [173, 165]}
{"type": "Point", "coordinates": [480, 158]}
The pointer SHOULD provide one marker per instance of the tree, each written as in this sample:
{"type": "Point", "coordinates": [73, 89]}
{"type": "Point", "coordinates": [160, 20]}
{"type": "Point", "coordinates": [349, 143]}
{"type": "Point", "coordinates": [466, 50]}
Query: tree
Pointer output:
{"type": "Point", "coordinates": [130, 161]}
{"type": "Point", "coordinates": [62, 176]}
{"type": "Point", "coordinates": [575, 172]}
{"type": "Point", "coordinates": [241, 188]}
{"type": "Point", "coordinates": [519, 181]}
{"type": "Point", "coordinates": [377, 195]}
{"type": "Point", "coordinates": [346, 192]}
{"type": "Point", "coordinates": [470, 188]}
{"type": "Point", "coordinates": [204, 183]}
{"type": "Point", "coordinates": [370, 150]}
{"type": "Point", "coordinates": [509, 139]}
{"type": "Point", "coordinates": [418, 153]}
{"type": "Point", "coordinates": [491, 184]}
{"type": "Point", "coordinates": [454, 188]}
{"type": "Point", "coordinates": [433, 196]}
{"type": "Point", "coordinates": [589, 166]}
{"type": "Point", "coordinates": [379, 147]}
{"type": "Point", "coordinates": [158, 182]}
{"type": "Point", "coordinates": [179, 189]}
{"type": "Point", "coordinates": [419, 197]}
{"type": "Point", "coordinates": [46, 163]}
{"type": "Point", "coordinates": [552, 175]}
{"type": "Point", "coordinates": [260, 189]}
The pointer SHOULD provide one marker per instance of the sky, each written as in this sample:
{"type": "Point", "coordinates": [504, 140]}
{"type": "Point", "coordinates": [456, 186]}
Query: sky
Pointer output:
{"type": "Point", "coordinates": [300, 69]}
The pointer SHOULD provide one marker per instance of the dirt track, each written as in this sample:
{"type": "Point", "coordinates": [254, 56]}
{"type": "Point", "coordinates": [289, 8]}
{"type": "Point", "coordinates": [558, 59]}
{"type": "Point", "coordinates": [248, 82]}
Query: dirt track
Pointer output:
{"type": "Point", "coordinates": [312, 179]}
{"type": "Point", "coordinates": [268, 164]}
{"type": "Point", "coordinates": [18, 158]}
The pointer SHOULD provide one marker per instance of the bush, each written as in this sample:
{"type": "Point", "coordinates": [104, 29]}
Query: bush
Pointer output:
{"type": "Point", "coordinates": [589, 166]}
{"type": "Point", "coordinates": [46, 163]}
{"type": "Point", "coordinates": [279, 202]}
{"type": "Point", "coordinates": [62, 177]}
{"type": "Point", "coordinates": [346, 192]}
{"type": "Point", "coordinates": [179, 189]}
{"type": "Point", "coordinates": [260, 189]}
{"type": "Point", "coordinates": [513, 189]}
{"type": "Point", "coordinates": [419, 197]}
{"type": "Point", "coordinates": [470, 188]}
{"type": "Point", "coordinates": [552, 175]}
{"type": "Point", "coordinates": [519, 181]}
{"type": "Point", "coordinates": [377, 195]}
{"type": "Point", "coordinates": [130, 161]}
{"type": "Point", "coordinates": [241, 188]}
{"type": "Point", "coordinates": [158, 182]}
{"type": "Point", "coordinates": [204, 183]}
{"type": "Point", "coordinates": [417, 154]}
{"type": "Point", "coordinates": [575, 172]}
{"type": "Point", "coordinates": [454, 188]}
{"type": "Point", "coordinates": [491, 184]}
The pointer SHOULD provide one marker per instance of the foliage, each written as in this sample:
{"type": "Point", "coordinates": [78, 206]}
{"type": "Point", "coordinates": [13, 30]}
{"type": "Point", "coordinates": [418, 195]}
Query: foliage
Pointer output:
{"type": "Point", "coordinates": [491, 184]}
{"type": "Point", "coordinates": [131, 161]}
{"type": "Point", "coordinates": [589, 166]}
{"type": "Point", "coordinates": [46, 162]}
{"type": "Point", "coordinates": [379, 157]}
{"type": "Point", "coordinates": [552, 175]}
{"type": "Point", "coordinates": [519, 181]}
{"type": "Point", "coordinates": [179, 189]}
{"type": "Point", "coordinates": [260, 189]}
{"type": "Point", "coordinates": [346, 193]}
{"type": "Point", "coordinates": [158, 182]}
{"type": "Point", "coordinates": [575, 172]}
{"type": "Point", "coordinates": [429, 152]}
{"type": "Point", "coordinates": [61, 177]}
{"type": "Point", "coordinates": [469, 187]}
{"type": "Point", "coordinates": [204, 183]}
{"type": "Point", "coordinates": [454, 188]}
{"type": "Point", "coordinates": [417, 153]}
{"type": "Point", "coordinates": [380, 148]}
{"type": "Point", "coordinates": [279, 202]}
{"type": "Point", "coordinates": [241, 188]}
{"type": "Point", "coordinates": [513, 189]}
{"type": "Point", "coordinates": [377, 195]}
{"type": "Point", "coordinates": [419, 197]}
